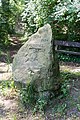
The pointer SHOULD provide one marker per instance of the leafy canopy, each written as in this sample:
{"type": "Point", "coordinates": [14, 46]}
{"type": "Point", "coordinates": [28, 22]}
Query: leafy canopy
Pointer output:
{"type": "Point", "coordinates": [64, 17]}
{"type": "Point", "coordinates": [10, 10]}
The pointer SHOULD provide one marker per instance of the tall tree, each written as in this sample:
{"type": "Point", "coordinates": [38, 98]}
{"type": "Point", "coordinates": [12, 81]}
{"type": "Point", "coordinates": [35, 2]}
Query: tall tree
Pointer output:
{"type": "Point", "coordinates": [10, 10]}
{"type": "Point", "coordinates": [4, 21]}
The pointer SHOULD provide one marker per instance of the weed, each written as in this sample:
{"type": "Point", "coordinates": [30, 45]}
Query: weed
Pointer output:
{"type": "Point", "coordinates": [7, 84]}
{"type": "Point", "coordinates": [8, 58]}
{"type": "Point", "coordinates": [14, 117]}
{"type": "Point", "coordinates": [65, 88]}
{"type": "Point", "coordinates": [40, 105]}
{"type": "Point", "coordinates": [66, 75]}
{"type": "Point", "coordinates": [68, 58]}
{"type": "Point", "coordinates": [78, 107]}
{"type": "Point", "coordinates": [60, 108]}
{"type": "Point", "coordinates": [8, 88]}
{"type": "Point", "coordinates": [27, 95]}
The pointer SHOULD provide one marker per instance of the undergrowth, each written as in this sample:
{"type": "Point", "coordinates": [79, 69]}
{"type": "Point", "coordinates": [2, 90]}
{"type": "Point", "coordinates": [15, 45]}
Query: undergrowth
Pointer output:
{"type": "Point", "coordinates": [8, 89]}
{"type": "Point", "coordinates": [68, 58]}
{"type": "Point", "coordinates": [28, 95]}
{"type": "Point", "coordinates": [30, 98]}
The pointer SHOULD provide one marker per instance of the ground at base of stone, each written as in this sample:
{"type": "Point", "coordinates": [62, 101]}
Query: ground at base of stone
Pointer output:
{"type": "Point", "coordinates": [65, 109]}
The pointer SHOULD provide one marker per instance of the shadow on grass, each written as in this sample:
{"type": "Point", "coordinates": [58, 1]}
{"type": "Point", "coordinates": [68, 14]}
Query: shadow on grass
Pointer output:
{"type": "Point", "coordinates": [70, 75]}
{"type": "Point", "coordinates": [2, 111]}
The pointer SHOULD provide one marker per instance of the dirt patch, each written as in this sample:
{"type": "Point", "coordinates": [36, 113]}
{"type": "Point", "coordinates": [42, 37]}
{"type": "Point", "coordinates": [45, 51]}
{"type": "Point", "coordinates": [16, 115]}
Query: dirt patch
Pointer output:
{"type": "Point", "coordinates": [70, 66]}
{"type": "Point", "coordinates": [5, 71]}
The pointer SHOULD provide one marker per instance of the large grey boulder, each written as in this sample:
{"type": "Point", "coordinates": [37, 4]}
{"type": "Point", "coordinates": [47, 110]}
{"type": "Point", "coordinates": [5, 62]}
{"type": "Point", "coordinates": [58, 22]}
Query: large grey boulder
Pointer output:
{"type": "Point", "coordinates": [36, 62]}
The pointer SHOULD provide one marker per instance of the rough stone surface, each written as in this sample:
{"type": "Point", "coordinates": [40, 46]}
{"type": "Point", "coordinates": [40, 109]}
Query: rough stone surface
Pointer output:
{"type": "Point", "coordinates": [36, 62]}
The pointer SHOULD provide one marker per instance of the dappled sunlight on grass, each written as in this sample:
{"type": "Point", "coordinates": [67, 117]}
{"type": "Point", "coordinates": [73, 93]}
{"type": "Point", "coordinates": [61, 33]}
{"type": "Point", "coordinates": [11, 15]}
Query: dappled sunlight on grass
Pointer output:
{"type": "Point", "coordinates": [73, 68]}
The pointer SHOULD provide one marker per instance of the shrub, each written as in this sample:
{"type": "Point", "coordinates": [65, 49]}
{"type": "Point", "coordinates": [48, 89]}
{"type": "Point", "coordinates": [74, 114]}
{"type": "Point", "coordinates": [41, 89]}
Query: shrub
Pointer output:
{"type": "Point", "coordinates": [64, 17]}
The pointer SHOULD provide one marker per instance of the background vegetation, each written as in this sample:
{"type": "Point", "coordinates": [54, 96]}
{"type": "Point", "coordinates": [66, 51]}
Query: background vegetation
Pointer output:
{"type": "Point", "coordinates": [10, 11]}
{"type": "Point", "coordinates": [24, 17]}
{"type": "Point", "coordinates": [64, 17]}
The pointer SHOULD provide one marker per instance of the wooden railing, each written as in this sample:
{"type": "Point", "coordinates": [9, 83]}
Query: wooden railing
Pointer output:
{"type": "Point", "coordinates": [58, 43]}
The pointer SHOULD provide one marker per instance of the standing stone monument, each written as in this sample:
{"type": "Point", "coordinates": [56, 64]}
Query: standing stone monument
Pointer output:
{"type": "Point", "coordinates": [36, 61]}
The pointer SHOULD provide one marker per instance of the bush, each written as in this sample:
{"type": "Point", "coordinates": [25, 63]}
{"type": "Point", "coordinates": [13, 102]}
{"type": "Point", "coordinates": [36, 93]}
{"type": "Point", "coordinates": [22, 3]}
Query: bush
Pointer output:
{"type": "Point", "coordinates": [10, 11]}
{"type": "Point", "coordinates": [64, 17]}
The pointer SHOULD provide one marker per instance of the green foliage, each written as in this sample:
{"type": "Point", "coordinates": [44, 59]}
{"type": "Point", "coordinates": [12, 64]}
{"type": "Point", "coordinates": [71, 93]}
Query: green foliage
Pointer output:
{"type": "Point", "coordinates": [9, 13]}
{"type": "Point", "coordinates": [40, 105]}
{"type": "Point", "coordinates": [5, 86]}
{"type": "Point", "coordinates": [60, 108]}
{"type": "Point", "coordinates": [65, 85]}
{"type": "Point", "coordinates": [36, 13]}
{"type": "Point", "coordinates": [14, 117]}
{"type": "Point", "coordinates": [68, 58]}
{"type": "Point", "coordinates": [39, 100]}
{"type": "Point", "coordinates": [27, 95]}
{"type": "Point", "coordinates": [65, 88]}
{"type": "Point", "coordinates": [78, 107]}
{"type": "Point", "coordinates": [64, 17]}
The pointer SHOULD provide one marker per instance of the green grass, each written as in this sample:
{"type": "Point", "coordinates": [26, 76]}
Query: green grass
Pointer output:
{"type": "Point", "coordinates": [68, 58]}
